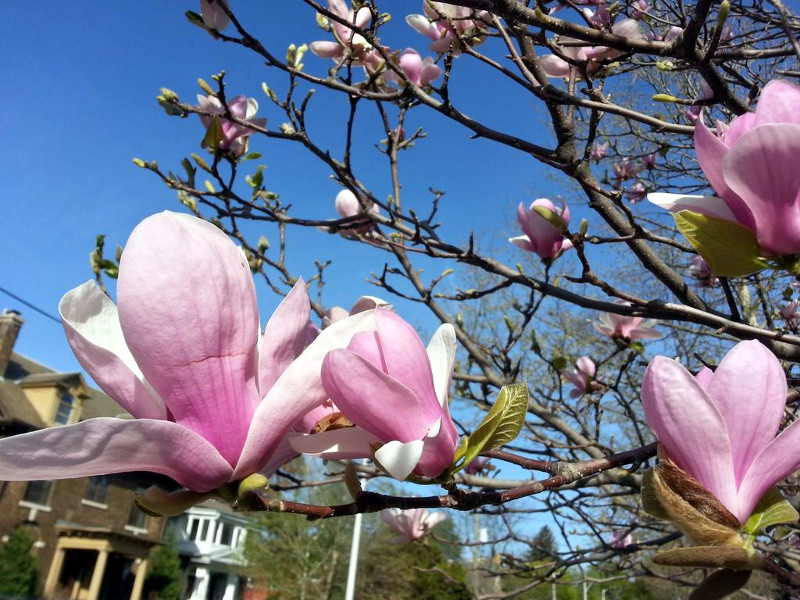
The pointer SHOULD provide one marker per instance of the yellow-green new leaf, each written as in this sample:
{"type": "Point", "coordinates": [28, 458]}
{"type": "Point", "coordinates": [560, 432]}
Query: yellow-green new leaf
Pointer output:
{"type": "Point", "coordinates": [772, 509]}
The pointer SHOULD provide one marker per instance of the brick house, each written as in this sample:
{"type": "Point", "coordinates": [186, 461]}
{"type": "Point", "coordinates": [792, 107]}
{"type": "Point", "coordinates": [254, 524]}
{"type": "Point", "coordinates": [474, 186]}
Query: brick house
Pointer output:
{"type": "Point", "coordinates": [91, 540]}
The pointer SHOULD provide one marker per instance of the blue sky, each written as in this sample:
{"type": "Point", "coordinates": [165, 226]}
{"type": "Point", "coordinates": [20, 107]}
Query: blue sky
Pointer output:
{"type": "Point", "coordinates": [84, 97]}
{"type": "Point", "coordinates": [80, 93]}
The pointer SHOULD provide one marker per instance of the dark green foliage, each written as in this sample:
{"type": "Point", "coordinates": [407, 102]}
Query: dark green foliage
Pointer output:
{"type": "Point", "coordinates": [164, 577]}
{"type": "Point", "coordinates": [19, 572]}
{"type": "Point", "coordinates": [543, 546]}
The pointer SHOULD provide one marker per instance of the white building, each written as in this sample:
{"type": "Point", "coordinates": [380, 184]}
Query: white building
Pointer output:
{"type": "Point", "coordinates": [211, 542]}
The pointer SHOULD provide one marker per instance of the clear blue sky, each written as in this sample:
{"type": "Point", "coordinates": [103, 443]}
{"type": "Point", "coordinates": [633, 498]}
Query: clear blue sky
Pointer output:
{"type": "Point", "coordinates": [80, 86]}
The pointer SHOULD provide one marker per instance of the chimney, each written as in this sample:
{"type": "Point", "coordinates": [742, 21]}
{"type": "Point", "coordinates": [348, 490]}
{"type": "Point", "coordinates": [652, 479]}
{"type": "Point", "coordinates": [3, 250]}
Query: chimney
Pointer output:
{"type": "Point", "coordinates": [10, 324]}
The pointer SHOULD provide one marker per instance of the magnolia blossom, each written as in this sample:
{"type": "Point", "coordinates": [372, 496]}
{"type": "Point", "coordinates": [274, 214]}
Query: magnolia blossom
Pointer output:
{"type": "Point", "coordinates": [791, 313]}
{"type": "Point", "coordinates": [637, 192]}
{"type": "Point", "coordinates": [555, 66]}
{"type": "Point", "coordinates": [449, 24]}
{"type": "Point", "coordinates": [641, 9]}
{"type": "Point", "coordinates": [621, 540]}
{"type": "Point", "coordinates": [581, 376]}
{"type": "Point", "coordinates": [649, 161]}
{"type": "Point", "coordinates": [626, 168]}
{"type": "Point", "coordinates": [234, 135]}
{"type": "Point", "coordinates": [415, 69]}
{"type": "Point", "coordinates": [411, 524]}
{"type": "Point", "coordinates": [395, 393]}
{"type": "Point", "coordinates": [348, 206]}
{"type": "Point", "coordinates": [626, 327]}
{"type": "Point", "coordinates": [599, 150]}
{"type": "Point", "coordinates": [476, 465]}
{"type": "Point", "coordinates": [214, 16]}
{"type": "Point", "coordinates": [211, 398]}
{"type": "Point", "coordinates": [701, 271]}
{"type": "Point", "coordinates": [347, 41]}
{"type": "Point", "coordinates": [750, 163]}
{"type": "Point", "coordinates": [600, 17]}
{"type": "Point", "coordinates": [541, 237]}
{"type": "Point", "coordinates": [720, 427]}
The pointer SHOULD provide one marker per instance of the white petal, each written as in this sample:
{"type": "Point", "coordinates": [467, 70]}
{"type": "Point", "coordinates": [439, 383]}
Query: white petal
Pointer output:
{"type": "Point", "coordinates": [707, 205]}
{"type": "Point", "coordinates": [349, 442]}
{"type": "Point", "coordinates": [442, 354]}
{"type": "Point", "coordinates": [399, 459]}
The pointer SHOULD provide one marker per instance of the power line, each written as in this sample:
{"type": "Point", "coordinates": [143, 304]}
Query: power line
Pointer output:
{"type": "Point", "coordinates": [31, 306]}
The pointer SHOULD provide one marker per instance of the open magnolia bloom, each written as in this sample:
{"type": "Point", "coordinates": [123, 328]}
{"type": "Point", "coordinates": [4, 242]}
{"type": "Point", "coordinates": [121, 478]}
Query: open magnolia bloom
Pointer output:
{"type": "Point", "coordinates": [581, 376]}
{"type": "Point", "coordinates": [211, 398]}
{"type": "Point", "coordinates": [626, 327]}
{"type": "Point", "coordinates": [231, 136]}
{"type": "Point", "coordinates": [720, 427]}
{"type": "Point", "coordinates": [393, 394]}
{"type": "Point", "coordinates": [541, 236]}
{"type": "Point", "coordinates": [411, 524]}
{"type": "Point", "coordinates": [750, 163]}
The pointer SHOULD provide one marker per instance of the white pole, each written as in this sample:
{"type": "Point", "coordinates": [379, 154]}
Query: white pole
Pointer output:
{"type": "Point", "coordinates": [353, 566]}
{"type": "Point", "coordinates": [585, 591]}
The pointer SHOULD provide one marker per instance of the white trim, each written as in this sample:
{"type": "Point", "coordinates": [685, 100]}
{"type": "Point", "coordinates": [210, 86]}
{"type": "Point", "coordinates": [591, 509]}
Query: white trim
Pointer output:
{"type": "Point", "coordinates": [33, 505]}
{"type": "Point", "coordinates": [136, 530]}
{"type": "Point", "coordinates": [94, 504]}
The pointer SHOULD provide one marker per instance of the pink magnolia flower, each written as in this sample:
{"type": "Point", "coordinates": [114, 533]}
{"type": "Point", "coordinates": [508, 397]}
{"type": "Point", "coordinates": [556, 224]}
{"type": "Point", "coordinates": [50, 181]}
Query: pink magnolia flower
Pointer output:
{"type": "Point", "coordinates": [599, 150]}
{"type": "Point", "coordinates": [791, 313]}
{"type": "Point", "coordinates": [649, 161]}
{"type": "Point", "coordinates": [621, 540]}
{"type": "Point", "coordinates": [541, 237]}
{"type": "Point", "coordinates": [214, 17]}
{"type": "Point", "coordinates": [600, 17]}
{"type": "Point", "coordinates": [637, 192]}
{"type": "Point", "coordinates": [721, 426]}
{"type": "Point", "coordinates": [672, 33]}
{"type": "Point", "coordinates": [626, 327]}
{"type": "Point", "coordinates": [626, 168]}
{"type": "Point", "coordinates": [182, 353]}
{"type": "Point", "coordinates": [581, 376]}
{"type": "Point", "coordinates": [415, 69]}
{"type": "Point", "coordinates": [395, 392]}
{"type": "Point", "coordinates": [347, 206]}
{"type": "Point", "coordinates": [701, 271]}
{"type": "Point", "coordinates": [693, 113]}
{"type": "Point", "coordinates": [750, 163]}
{"type": "Point", "coordinates": [411, 524]}
{"type": "Point", "coordinates": [347, 41]}
{"type": "Point", "coordinates": [449, 24]}
{"type": "Point", "coordinates": [641, 9]}
{"type": "Point", "coordinates": [234, 135]}
{"type": "Point", "coordinates": [476, 465]}
{"type": "Point", "coordinates": [594, 56]}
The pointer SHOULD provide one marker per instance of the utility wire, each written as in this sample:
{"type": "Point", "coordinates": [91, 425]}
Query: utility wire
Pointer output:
{"type": "Point", "coordinates": [31, 306]}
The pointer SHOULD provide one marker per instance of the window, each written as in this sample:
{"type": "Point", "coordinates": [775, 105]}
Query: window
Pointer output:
{"type": "Point", "coordinates": [64, 411]}
{"type": "Point", "coordinates": [137, 520]}
{"type": "Point", "coordinates": [97, 489]}
{"type": "Point", "coordinates": [38, 492]}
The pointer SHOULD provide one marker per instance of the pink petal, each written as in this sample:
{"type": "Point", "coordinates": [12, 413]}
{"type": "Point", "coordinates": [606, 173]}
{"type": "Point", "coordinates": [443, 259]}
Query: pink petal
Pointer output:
{"type": "Point", "coordinates": [92, 326]}
{"type": "Point", "coordinates": [411, 65]}
{"type": "Point", "coordinates": [777, 461]}
{"type": "Point", "coordinates": [556, 67]}
{"type": "Point", "coordinates": [284, 337]}
{"type": "Point", "coordinates": [749, 389]}
{"type": "Point", "coordinates": [372, 399]}
{"type": "Point", "coordinates": [778, 103]}
{"type": "Point", "coordinates": [762, 169]}
{"type": "Point", "coordinates": [188, 309]}
{"type": "Point", "coordinates": [297, 391]}
{"type": "Point", "coordinates": [326, 49]}
{"type": "Point", "coordinates": [689, 425]}
{"type": "Point", "coordinates": [710, 152]}
{"type": "Point", "coordinates": [523, 242]}
{"type": "Point", "coordinates": [103, 446]}
{"type": "Point", "coordinates": [406, 359]}
{"type": "Point", "coordinates": [421, 24]}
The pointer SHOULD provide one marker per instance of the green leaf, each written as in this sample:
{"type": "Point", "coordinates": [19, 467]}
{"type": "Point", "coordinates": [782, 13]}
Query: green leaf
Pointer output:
{"type": "Point", "coordinates": [551, 217]}
{"type": "Point", "coordinates": [213, 134]}
{"type": "Point", "coordinates": [256, 180]}
{"type": "Point", "coordinates": [501, 425]}
{"type": "Point", "coordinates": [772, 509]}
{"type": "Point", "coordinates": [730, 249]}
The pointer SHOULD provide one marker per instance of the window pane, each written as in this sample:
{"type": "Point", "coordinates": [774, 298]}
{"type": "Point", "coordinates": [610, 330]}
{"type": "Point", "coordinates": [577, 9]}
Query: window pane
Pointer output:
{"type": "Point", "coordinates": [38, 492]}
{"type": "Point", "coordinates": [137, 518]}
{"type": "Point", "coordinates": [97, 489]}
{"type": "Point", "coordinates": [64, 411]}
